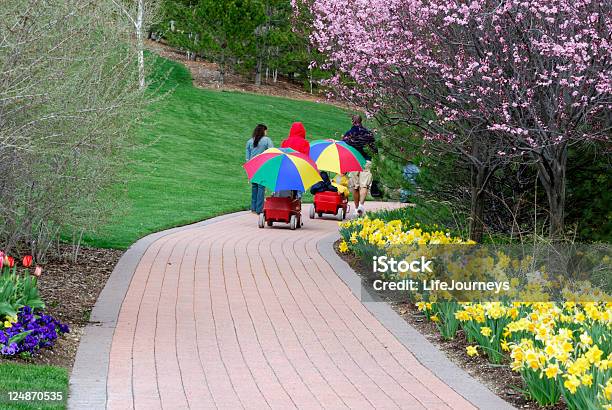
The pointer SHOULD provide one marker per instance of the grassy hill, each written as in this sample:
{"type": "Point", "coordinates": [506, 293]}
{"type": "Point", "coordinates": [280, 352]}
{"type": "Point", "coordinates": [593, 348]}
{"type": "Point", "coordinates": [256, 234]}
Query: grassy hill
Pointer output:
{"type": "Point", "coordinates": [190, 167]}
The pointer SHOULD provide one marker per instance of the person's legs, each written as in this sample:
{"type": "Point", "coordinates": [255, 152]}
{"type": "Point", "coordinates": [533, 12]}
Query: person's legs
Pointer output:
{"type": "Point", "coordinates": [356, 197]}
{"type": "Point", "coordinates": [254, 193]}
{"type": "Point", "coordinates": [354, 187]}
{"type": "Point", "coordinates": [261, 196]}
{"type": "Point", "coordinates": [364, 184]}
{"type": "Point", "coordinates": [363, 193]}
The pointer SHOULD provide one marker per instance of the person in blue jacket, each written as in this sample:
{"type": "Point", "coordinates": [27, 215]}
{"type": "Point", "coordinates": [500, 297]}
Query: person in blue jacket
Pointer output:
{"type": "Point", "coordinates": [257, 144]}
{"type": "Point", "coordinates": [411, 172]}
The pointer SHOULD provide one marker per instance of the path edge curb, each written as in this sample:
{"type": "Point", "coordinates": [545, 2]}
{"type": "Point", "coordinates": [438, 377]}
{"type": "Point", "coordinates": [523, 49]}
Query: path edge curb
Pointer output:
{"type": "Point", "coordinates": [87, 388]}
{"type": "Point", "coordinates": [422, 349]}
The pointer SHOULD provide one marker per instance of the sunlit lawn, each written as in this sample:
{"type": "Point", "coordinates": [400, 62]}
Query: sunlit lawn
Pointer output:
{"type": "Point", "coordinates": [191, 167]}
{"type": "Point", "coordinates": [24, 378]}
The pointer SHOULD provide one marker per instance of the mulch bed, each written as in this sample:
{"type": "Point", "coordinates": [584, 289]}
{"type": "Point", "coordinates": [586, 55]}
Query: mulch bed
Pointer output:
{"type": "Point", "coordinates": [500, 379]}
{"type": "Point", "coordinates": [70, 291]}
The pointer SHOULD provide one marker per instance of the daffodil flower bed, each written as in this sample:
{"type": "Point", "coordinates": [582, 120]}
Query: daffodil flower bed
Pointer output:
{"type": "Point", "coordinates": [562, 350]}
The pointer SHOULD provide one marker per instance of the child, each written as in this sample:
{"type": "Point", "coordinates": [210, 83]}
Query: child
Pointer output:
{"type": "Point", "coordinates": [323, 186]}
{"type": "Point", "coordinates": [297, 139]}
{"type": "Point", "coordinates": [341, 182]}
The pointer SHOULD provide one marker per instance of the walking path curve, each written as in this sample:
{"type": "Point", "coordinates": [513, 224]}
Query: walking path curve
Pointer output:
{"type": "Point", "coordinates": [224, 315]}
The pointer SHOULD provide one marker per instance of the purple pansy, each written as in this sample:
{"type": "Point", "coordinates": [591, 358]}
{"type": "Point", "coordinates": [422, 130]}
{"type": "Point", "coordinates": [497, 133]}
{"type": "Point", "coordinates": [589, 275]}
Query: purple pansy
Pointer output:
{"type": "Point", "coordinates": [42, 329]}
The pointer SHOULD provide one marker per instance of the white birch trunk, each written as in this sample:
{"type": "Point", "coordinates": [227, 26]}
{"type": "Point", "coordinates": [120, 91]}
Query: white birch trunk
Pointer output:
{"type": "Point", "coordinates": [138, 23]}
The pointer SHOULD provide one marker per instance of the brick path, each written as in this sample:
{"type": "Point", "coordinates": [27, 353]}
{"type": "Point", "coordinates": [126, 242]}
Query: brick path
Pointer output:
{"type": "Point", "coordinates": [231, 316]}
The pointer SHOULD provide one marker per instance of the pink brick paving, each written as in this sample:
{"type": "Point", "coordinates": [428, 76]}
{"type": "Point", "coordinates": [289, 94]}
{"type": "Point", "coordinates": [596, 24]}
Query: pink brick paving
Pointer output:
{"type": "Point", "coordinates": [231, 316]}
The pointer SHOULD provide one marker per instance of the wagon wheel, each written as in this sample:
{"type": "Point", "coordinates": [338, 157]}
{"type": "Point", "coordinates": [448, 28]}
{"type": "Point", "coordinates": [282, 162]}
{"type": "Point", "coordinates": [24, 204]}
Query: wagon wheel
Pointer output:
{"type": "Point", "coordinates": [293, 222]}
{"type": "Point", "coordinates": [340, 215]}
{"type": "Point", "coordinates": [312, 212]}
{"type": "Point", "coordinates": [269, 223]}
{"type": "Point", "coordinates": [262, 220]}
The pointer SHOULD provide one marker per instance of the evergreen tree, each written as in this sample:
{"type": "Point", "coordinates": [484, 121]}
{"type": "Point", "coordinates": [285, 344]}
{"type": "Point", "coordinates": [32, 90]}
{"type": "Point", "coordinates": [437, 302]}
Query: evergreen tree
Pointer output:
{"type": "Point", "coordinates": [263, 38]}
{"type": "Point", "coordinates": [228, 30]}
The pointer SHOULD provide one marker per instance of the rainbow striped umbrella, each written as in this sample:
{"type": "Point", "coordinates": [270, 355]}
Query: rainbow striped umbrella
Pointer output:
{"type": "Point", "coordinates": [336, 156]}
{"type": "Point", "coordinates": [283, 169]}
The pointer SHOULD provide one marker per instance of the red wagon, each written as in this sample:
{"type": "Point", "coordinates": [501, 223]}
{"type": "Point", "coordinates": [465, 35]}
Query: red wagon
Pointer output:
{"type": "Point", "coordinates": [329, 203]}
{"type": "Point", "coordinates": [282, 209]}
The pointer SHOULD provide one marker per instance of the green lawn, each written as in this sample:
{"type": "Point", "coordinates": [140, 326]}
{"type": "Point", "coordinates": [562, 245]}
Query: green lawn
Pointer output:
{"type": "Point", "coordinates": [191, 168]}
{"type": "Point", "coordinates": [23, 378]}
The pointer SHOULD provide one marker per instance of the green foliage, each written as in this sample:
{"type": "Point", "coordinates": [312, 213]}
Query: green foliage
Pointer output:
{"type": "Point", "coordinates": [585, 397]}
{"type": "Point", "coordinates": [429, 214]}
{"type": "Point", "coordinates": [589, 193]}
{"type": "Point", "coordinates": [221, 31]}
{"type": "Point", "coordinates": [490, 343]}
{"type": "Point", "coordinates": [543, 390]}
{"type": "Point", "coordinates": [261, 36]}
{"type": "Point", "coordinates": [178, 26]}
{"type": "Point", "coordinates": [515, 202]}
{"type": "Point", "coordinates": [16, 291]}
{"type": "Point", "coordinates": [447, 323]}
{"type": "Point", "coordinates": [227, 28]}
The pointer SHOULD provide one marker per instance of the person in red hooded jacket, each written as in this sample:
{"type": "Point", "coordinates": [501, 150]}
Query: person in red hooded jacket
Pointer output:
{"type": "Point", "coordinates": [297, 139]}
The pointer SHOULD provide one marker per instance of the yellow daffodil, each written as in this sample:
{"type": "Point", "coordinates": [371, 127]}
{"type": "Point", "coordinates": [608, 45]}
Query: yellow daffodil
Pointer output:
{"type": "Point", "coordinates": [343, 247]}
{"type": "Point", "coordinates": [579, 366]}
{"type": "Point", "coordinates": [572, 383]}
{"type": "Point", "coordinates": [462, 316]}
{"type": "Point", "coordinates": [486, 331]}
{"type": "Point", "coordinates": [585, 339]}
{"type": "Point", "coordinates": [594, 354]}
{"type": "Point", "coordinates": [603, 364]}
{"type": "Point", "coordinates": [608, 390]}
{"type": "Point", "coordinates": [552, 371]}
{"type": "Point", "coordinates": [472, 351]}
{"type": "Point", "coordinates": [587, 380]}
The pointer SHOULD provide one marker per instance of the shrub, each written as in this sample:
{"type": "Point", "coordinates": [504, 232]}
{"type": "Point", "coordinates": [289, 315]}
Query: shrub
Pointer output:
{"type": "Point", "coordinates": [69, 105]}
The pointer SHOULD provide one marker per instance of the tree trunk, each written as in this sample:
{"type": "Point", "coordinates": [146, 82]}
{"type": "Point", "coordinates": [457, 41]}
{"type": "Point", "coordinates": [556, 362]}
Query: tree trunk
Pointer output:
{"type": "Point", "coordinates": [258, 69]}
{"type": "Point", "coordinates": [310, 72]}
{"type": "Point", "coordinates": [552, 167]}
{"type": "Point", "coordinates": [222, 67]}
{"type": "Point", "coordinates": [478, 181]}
{"type": "Point", "coordinates": [477, 205]}
{"type": "Point", "coordinates": [140, 44]}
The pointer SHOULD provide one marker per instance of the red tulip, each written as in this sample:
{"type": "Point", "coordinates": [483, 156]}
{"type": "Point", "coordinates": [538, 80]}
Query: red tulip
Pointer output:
{"type": "Point", "coordinates": [38, 271]}
{"type": "Point", "coordinates": [27, 261]}
{"type": "Point", "coordinates": [10, 261]}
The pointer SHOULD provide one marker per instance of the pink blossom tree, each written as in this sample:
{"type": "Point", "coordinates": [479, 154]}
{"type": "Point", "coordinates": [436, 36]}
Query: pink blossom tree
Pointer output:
{"type": "Point", "coordinates": [523, 78]}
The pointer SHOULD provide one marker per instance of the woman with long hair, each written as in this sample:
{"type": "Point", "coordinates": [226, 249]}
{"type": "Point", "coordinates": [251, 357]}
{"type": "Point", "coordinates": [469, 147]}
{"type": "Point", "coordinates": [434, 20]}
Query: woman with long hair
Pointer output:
{"type": "Point", "coordinates": [257, 144]}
